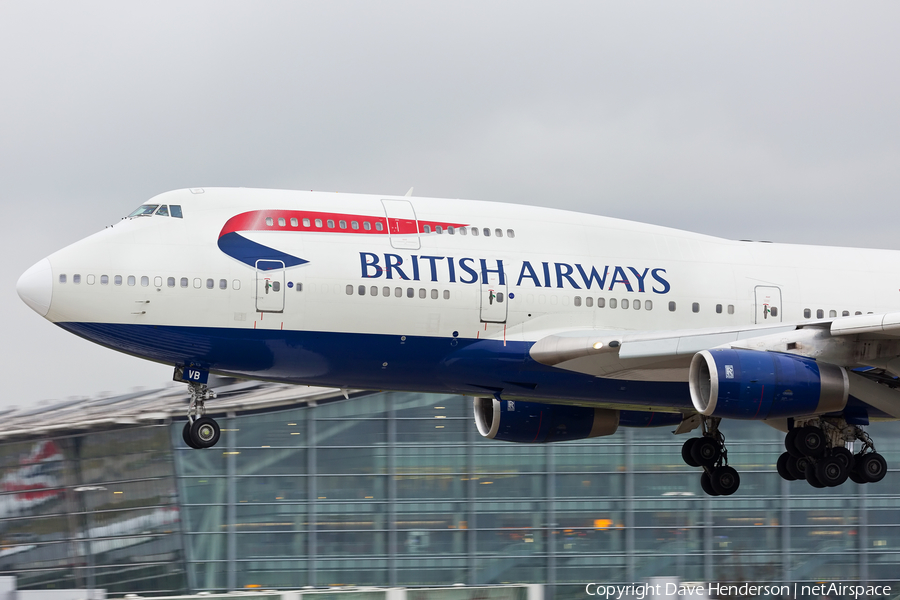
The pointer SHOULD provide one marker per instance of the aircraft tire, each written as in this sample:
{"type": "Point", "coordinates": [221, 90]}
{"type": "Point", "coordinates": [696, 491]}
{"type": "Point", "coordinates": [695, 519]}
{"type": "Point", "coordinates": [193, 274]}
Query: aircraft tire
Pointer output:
{"type": "Point", "coordinates": [797, 467]}
{"type": "Point", "coordinates": [205, 432]}
{"type": "Point", "coordinates": [781, 465]}
{"type": "Point", "coordinates": [705, 451]}
{"type": "Point", "coordinates": [686, 452]}
{"type": "Point", "coordinates": [810, 441]}
{"type": "Point", "coordinates": [872, 467]}
{"type": "Point", "coordinates": [845, 456]}
{"type": "Point", "coordinates": [706, 484]}
{"type": "Point", "coordinates": [831, 472]}
{"type": "Point", "coordinates": [789, 442]}
{"type": "Point", "coordinates": [811, 478]}
{"type": "Point", "coordinates": [725, 480]}
{"type": "Point", "coordinates": [186, 435]}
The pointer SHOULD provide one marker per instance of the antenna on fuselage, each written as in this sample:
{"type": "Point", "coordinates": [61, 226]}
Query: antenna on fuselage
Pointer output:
{"type": "Point", "coordinates": [409, 193]}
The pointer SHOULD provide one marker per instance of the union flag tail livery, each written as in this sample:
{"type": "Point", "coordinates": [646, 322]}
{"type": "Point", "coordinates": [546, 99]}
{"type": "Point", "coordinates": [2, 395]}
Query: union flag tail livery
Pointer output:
{"type": "Point", "coordinates": [560, 325]}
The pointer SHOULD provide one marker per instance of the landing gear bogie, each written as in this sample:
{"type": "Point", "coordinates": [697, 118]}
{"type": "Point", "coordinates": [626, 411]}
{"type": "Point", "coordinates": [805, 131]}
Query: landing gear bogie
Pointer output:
{"type": "Point", "coordinates": [708, 452]}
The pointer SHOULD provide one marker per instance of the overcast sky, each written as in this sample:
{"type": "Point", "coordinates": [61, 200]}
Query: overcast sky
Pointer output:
{"type": "Point", "coordinates": [754, 120]}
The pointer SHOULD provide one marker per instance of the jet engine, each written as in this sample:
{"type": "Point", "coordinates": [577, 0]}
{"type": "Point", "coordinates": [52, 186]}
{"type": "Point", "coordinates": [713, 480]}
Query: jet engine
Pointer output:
{"type": "Point", "coordinates": [531, 422]}
{"type": "Point", "coordinates": [751, 384]}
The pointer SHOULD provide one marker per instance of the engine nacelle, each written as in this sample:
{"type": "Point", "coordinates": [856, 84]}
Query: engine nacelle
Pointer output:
{"type": "Point", "coordinates": [531, 422]}
{"type": "Point", "coordinates": [750, 384]}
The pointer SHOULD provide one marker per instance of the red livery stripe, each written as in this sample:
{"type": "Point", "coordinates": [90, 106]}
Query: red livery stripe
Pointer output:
{"type": "Point", "coordinates": [258, 220]}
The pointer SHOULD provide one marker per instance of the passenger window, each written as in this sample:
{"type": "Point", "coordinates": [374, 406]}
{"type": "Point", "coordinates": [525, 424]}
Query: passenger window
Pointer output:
{"type": "Point", "coordinates": [648, 304]}
{"type": "Point", "coordinates": [76, 278]}
{"type": "Point", "coordinates": [434, 294]}
{"type": "Point", "coordinates": [820, 314]}
{"type": "Point", "coordinates": [451, 231]}
{"type": "Point", "coordinates": [306, 222]}
{"type": "Point", "coordinates": [175, 210]}
{"type": "Point", "coordinates": [184, 282]}
{"type": "Point", "coordinates": [145, 281]}
{"type": "Point", "coordinates": [276, 286]}
{"type": "Point", "coordinates": [281, 222]}
{"type": "Point", "coordinates": [731, 309]}
{"type": "Point", "coordinates": [601, 302]}
{"type": "Point", "coordinates": [498, 232]}
{"type": "Point", "coordinates": [846, 313]}
{"type": "Point", "coordinates": [807, 313]}
{"type": "Point", "coordinates": [446, 294]}
{"type": "Point", "coordinates": [774, 311]}
{"type": "Point", "coordinates": [223, 284]}
{"type": "Point", "coordinates": [510, 233]}
{"type": "Point", "coordinates": [342, 224]}
{"type": "Point", "coordinates": [118, 280]}
{"type": "Point", "coordinates": [170, 282]}
{"type": "Point", "coordinates": [410, 293]}
{"type": "Point", "coordinates": [671, 306]}
{"type": "Point", "coordinates": [832, 313]}
{"type": "Point", "coordinates": [589, 301]}
{"type": "Point", "coordinates": [695, 307]}
{"type": "Point", "coordinates": [104, 280]}
{"type": "Point", "coordinates": [426, 228]}
{"type": "Point", "coordinates": [475, 231]}
{"type": "Point", "coordinates": [354, 224]}
{"type": "Point", "coordinates": [612, 302]}
{"type": "Point", "coordinates": [330, 223]}
{"type": "Point", "coordinates": [163, 211]}
{"type": "Point", "coordinates": [636, 305]}
{"type": "Point", "coordinates": [422, 292]}
{"type": "Point", "coordinates": [857, 313]}
{"type": "Point", "coordinates": [131, 280]}
{"type": "Point", "coordinates": [625, 303]}
{"type": "Point", "coordinates": [374, 290]}
{"type": "Point", "coordinates": [349, 289]}
{"type": "Point", "coordinates": [398, 292]}
{"type": "Point", "coordinates": [438, 229]}
{"type": "Point", "coordinates": [367, 226]}
{"type": "Point", "coordinates": [463, 231]}
{"type": "Point", "coordinates": [318, 222]}
{"type": "Point", "coordinates": [362, 290]}
{"type": "Point", "coordinates": [379, 226]}
{"type": "Point", "coordinates": [500, 296]}
{"type": "Point", "coordinates": [210, 284]}
{"type": "Point", "coordinates": [62, 278]}
{"type": "Point", "coordinates": [487, 232]}
{"type": "Point", "coordinates": [386, 292]}
{"type": "Point", "coordinates": [294, 222]}
{"type": "Point", "coordinates": [198, 283]}
{"type": "Point", "coordinates": [90, 280]}
{"type": "Point", "coordinates": [577, 301]}
{"type": "Point", "coordinates": [270, 221]}
{"type": "Point", "coordinates": [236, 285]}
{"type": "Point", "coordinates": [718, 309]}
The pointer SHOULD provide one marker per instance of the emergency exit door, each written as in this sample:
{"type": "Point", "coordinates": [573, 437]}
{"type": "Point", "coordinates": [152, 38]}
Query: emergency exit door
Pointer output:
{"type": "Point", "coordinates": [269, 286]}
{"type": "Point", "coordinates": [403, 228]}
{"type": "Point", "coordinates": [768, 304]}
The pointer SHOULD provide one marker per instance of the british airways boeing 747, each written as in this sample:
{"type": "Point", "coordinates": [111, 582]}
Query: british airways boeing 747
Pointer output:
{"type": "Point", "coordinates": [560, 325]}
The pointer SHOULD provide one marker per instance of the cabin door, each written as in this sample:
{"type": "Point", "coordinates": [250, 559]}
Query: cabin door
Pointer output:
{"type": "Point", "coordinates": [493, 300]}
{"type": "Point", "coordinates": [269, 286]}
{"type": "Point", "coordinates": [768, 304]}
{"type": "Point", "coordinates": [402, 225]}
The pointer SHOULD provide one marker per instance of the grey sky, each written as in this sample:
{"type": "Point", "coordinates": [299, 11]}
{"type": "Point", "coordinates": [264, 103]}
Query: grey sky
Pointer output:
{"type": "Point", "coordinates": [746, 120]}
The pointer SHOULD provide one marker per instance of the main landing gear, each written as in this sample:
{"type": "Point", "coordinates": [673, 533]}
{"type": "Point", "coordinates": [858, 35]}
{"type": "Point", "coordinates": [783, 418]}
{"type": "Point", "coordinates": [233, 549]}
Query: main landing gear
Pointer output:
{"type": "Point", "coordinates": [708, 451]}
{"type": "Point", "coordinates": [817, 452]}
{"type": "Point", "coordinates": [200, 431]}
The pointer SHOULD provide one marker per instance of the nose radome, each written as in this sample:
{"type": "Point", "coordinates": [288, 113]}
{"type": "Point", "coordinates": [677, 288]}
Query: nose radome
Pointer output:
{"type": "Point", "coordinates": [35, 287]}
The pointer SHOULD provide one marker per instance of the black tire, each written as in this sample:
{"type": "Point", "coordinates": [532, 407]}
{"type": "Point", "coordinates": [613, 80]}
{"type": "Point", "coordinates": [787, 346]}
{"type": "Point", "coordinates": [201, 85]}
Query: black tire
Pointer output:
{"type": "Point", "coordinates": [856, 477]}
{"type": "Point", "coordinates": [725, 480]}
{"type": "Point", "coordinates": [872, 467]}
{"type": "Point", "coordinates": [810, 441]}
{"type": "Point", "coordinates": [789, 444]}
{"type": "Point", "coordinates": [186, 435]}
{"type": "Point", "coordinates": [686, 453]}
{"type": "Point", "coordinates": [781, 465]}
{"type": "Point", "coordinates": [811, 478]}
{"type": "Point", "coordinates": [706, 485]}
{"type": "Point", "coordinates": [845, 456]}
{"type": "Point", "coordinates": [797, 467]}
{"type": "Point", "coordinates": [831, 472]}
{"type": "Point", "coordinates": [205, 432]}
{"type": "Point", "coordinates": [706, 451]}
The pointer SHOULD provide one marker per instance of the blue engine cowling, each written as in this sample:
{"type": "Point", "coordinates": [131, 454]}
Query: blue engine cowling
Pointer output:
{"type": "Point", "coordinates": [752, 384]}
{"type": "Point", "coordinates": [532, 422]}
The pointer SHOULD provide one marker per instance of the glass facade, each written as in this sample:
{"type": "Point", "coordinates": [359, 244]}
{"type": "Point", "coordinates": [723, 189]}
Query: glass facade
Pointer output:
{"type": "Point", "coordinates": [397, 489]}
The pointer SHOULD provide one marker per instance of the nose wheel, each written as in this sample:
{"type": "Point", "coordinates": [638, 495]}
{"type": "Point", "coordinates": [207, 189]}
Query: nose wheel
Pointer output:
{"type": "Point", "coordinates": [200, 431]}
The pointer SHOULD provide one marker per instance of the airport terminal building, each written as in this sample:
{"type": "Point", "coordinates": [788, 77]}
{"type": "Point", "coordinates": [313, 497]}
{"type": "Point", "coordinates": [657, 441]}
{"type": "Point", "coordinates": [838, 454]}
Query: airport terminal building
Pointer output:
{"type": "Point", "coordinates": [307, 488]}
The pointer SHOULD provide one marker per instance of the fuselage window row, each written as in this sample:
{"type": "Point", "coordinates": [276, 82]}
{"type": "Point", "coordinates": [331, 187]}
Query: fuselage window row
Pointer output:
{"type": "Point", "coordinates": [326, 224]}
{"type": "Point", "coordinates": [157, 281]}
{"type": "Point", "coordinates": [362, 290]}
{"type": "Point", "coordinates": [820, 313]}
{"type": "Point", "coordinates": [486, 231]}
{"type": "Point", "coordinates": [613, 303]}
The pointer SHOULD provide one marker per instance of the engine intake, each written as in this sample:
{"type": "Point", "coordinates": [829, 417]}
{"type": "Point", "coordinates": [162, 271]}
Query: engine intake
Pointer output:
{"type": "Point", "coordinates": [532, 422]}
{"type": "Point", "coordinates": [755, 385]}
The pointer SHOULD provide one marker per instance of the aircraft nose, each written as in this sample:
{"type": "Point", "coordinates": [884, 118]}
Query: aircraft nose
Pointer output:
{"type": "Point", "coordinates": [35, 287]}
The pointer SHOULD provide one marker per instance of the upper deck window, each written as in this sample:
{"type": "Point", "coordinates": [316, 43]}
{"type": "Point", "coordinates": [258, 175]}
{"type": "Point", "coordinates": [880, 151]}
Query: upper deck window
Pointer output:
{"type": "Point", "coordinates": [145, 210]}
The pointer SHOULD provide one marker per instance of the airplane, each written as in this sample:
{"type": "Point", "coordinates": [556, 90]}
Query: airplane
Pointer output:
{"type": "Point", "coordinates": [560, 325]}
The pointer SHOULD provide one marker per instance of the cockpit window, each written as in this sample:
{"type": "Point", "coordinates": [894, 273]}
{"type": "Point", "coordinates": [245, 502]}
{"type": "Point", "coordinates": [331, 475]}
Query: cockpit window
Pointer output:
{"type": "Point", "coordinates": [175, 210]}
{"type": "Point", "coordinates": [145, 210]}
{"type": "Point", "coordinates": [163, 211]}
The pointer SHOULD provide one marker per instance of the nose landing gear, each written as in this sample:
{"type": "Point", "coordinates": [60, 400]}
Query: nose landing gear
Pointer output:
{"type": "Point", "coordinates": [200, 431]}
